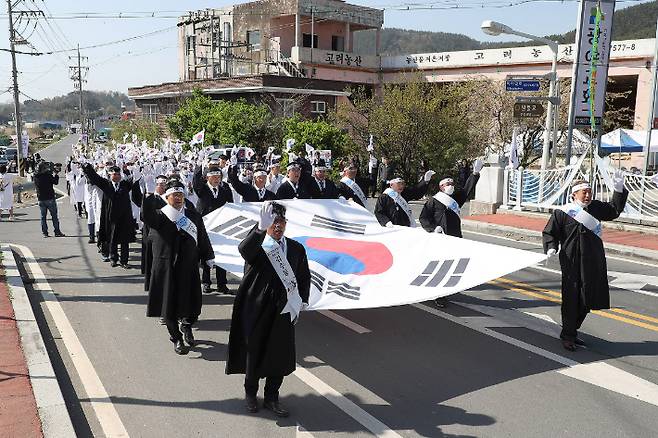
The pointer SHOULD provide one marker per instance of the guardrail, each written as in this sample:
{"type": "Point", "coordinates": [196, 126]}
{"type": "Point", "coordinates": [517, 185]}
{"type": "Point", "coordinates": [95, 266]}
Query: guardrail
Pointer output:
{"type": "Point", "coordinates": [549, 189]}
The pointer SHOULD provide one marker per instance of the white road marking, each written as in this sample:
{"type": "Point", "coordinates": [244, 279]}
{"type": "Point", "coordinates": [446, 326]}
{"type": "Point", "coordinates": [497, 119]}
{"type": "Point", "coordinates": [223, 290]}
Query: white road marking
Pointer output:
{"type": "Point", "coordinates": [634, 282]}
{"type": "Point", "coordinates": [100, 401]}
{"type": "Point", "coordinates": [302, 433]}
{"type": "Point", "coordinates": [598, 374]}
{"type": "Point", "coordinates": [541, 316]}
{"type": "Point", "coordinates": [367, 396]}
{"type": "Point", "coordinates": [375, 426]}
{"type": "Point", "coordinates": [344, 321]}
{"type": "Point", "coordinates": [611, 378]}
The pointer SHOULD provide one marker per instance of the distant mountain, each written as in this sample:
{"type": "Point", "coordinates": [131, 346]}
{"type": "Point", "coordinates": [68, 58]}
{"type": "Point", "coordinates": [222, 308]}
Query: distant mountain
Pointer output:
{"type": "Point", "coordinates": [95, 104]}
{"type": "Point", "coordinates": [635, 22]}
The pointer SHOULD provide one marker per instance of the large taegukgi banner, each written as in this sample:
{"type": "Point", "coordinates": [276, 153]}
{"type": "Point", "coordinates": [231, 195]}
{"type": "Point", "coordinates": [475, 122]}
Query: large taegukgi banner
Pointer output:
{"type": "Point", "coordinates": [357, 263]}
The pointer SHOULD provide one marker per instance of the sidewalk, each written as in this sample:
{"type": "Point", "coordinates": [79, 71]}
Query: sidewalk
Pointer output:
{"type": "Point", "coordinates": [624, 242]}
{"type": "Point", "coordinates": [18, 410]}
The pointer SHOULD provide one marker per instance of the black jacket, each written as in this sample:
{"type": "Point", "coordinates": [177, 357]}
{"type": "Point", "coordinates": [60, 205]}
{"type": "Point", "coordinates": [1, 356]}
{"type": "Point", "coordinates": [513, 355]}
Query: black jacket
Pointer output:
{"type": "Point", "coordinates": [207, 201]}
{"type": "Point", "coordinates": [330, 190]}
{"type": "Point", "coordinates": [286, 191]}
{"type": "Point", "coordinates": [387, 210]}
{"type": "Point", "coordinates": [436, 214]}
{"type": "Point", "coordinates": [582, 256]}
{"type": "Point", "coordinates": [44, 183]}
{"type": "Point", "coordinates": [248, 192]}
{"type": "Point", "coordinates": [261, 339]}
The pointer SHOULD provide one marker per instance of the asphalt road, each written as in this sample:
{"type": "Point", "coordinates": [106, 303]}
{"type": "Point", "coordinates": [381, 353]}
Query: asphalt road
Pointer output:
{"type": "Point", "coordinates": [489, 365]}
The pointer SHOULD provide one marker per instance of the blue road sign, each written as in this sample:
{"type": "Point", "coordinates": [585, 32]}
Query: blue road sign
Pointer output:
{"type": "Point", "coordinates": [521, 85]}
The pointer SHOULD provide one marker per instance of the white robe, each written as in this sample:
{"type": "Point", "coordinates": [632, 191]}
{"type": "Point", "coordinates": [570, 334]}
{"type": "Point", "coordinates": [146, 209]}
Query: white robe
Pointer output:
{"type": "Point", "coordinates": [6, 195]}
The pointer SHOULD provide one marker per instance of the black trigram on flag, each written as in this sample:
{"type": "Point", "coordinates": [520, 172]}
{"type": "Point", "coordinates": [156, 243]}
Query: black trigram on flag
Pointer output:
{"type": "Point", "coordinates": [237, 228]}
{"type": "Point", "coordinates": [344, 290]}
{"type": "Point", "coordinates": [341, 289]}
{"type": "Point", "coordinates": [436, 271]}
{"type": "Point", "coordinates": [336, 225]}
{"type": "Point", "coordinates": [317, 280]}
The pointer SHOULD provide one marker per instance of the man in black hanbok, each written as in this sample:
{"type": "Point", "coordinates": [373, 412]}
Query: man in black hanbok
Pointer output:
{"type": "Point", "coordinates": [274, 289]}
{"type": "Point", "coordinates": [392, 206]}
{"type": "Point", "coordinates": [320, 186]}
{"type": "Point", "coordinates": [574, 231]}
{"type": "Point", "coordinates": [213, 193]}
{"type": "Point", "coordinates": [256, 192]}
{"type": "Point", "coordinates": [293, 187]}
{"type": "Point", "coordinates": [440, 213]}
{"type": "Point", "coordinates": [179, 242]}
{"type": "Point", "coordinates": [349, 187]}
{"type": "Point", "coordinates": [118, 227]}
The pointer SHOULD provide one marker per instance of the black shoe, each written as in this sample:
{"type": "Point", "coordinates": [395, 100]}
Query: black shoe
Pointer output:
{"type": "Point", "coordinates": [277, 408]}
{"type": "Point", "coordinates": [223, 289]}
{"type": "Point", "coordinates": [163, 321]}
{"type": "Point", "coordinates": [441, 302]}
{"type": "Point", "coordinates": [125, 265]}
{"type": "Point", "coordinates": [186, 330]}
{"type": "Point", "coordinates": [60, 235]}
{"type": "Point", "coordinates": [105, 259]}
{"type": "Point", "coordinates": [114, 264]}
{"type": "Point", "coordinates": [251, 403]}
{"type": "Point", "coordinates": [46, 235]}
{"type": "Point", "coordinates": [180, 348]}
{"type": "Point", "coordinates": [206, 289]}
{"type": "Point", "coordinates": [580, 342]}
{"type": "Point", "coordinates": [568, 345]}
{"type": "Point", "coordinates": [91, 240]}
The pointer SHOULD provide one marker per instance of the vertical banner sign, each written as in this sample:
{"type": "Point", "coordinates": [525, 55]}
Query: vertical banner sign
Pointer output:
{"type": "Point", "coordinates": [592, 63]}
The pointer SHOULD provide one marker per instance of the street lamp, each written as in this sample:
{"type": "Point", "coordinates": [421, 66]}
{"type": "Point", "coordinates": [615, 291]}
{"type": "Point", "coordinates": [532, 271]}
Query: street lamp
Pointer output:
{"type": "Point", "coordinates": [494, 28]}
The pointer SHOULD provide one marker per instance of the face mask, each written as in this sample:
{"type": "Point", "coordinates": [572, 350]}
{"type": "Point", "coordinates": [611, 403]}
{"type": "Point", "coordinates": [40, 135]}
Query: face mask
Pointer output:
{"type": "Point", "coordinates": [449, 190]}
{"type": "Point", "coordinates": [582, 204]}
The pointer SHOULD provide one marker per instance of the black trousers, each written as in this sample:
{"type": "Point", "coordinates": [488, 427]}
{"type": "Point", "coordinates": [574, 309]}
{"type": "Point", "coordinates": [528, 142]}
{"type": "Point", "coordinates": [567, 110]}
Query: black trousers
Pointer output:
{"type": "Point", "coordinates": [574, 312]}
{"type": "Point", "coordinates": [220, 274]}
{"type": "Point", "coordinates": [114, 252]}
{"type": "Point", "coordinates": [272, 386]}
{"type": "Point", "coordinates": [172, 327]}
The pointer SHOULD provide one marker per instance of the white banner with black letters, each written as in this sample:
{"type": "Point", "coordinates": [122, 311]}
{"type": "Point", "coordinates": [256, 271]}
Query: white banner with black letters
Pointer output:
{"type": "Point", "coordinates": [357, 263]}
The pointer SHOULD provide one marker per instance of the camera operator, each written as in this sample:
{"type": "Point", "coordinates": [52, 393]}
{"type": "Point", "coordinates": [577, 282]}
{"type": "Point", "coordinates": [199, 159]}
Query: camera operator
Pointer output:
{"type": "Point", "coordinates": [46, 177]}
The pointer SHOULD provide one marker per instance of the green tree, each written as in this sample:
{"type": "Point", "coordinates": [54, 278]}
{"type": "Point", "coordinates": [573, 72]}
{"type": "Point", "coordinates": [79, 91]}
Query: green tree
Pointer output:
{"type": "Point", "coordinates": [320, 134]}
{"type": "Point", "coordinates": [419, 125]}
{"type": "Point", "coordinates": [144, 129]}
{"type": "Point", "coordinates": [226, 122]}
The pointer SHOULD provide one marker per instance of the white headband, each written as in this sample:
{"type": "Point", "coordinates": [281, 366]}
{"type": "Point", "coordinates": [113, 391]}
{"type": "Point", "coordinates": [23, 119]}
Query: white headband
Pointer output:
{"type": "Point", "coordinates": [173, 190]}
{"type": "Point", "coordinates": [396, 180]}
{"type": "Point", "coordinates": [161, 180]}
{"type": "Point", "coordinates": [582, 186]}
{"type": "Point", "coordinates": [215, 173]}
{"type": "Point", "coordinates": [260, 173]}
{"type": "Point", "coordinates": [446, 181]}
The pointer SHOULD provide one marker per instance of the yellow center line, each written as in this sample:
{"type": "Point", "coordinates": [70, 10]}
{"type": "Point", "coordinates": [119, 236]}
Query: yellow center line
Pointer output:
{"type": "Point", "coordinates": [550, 295]}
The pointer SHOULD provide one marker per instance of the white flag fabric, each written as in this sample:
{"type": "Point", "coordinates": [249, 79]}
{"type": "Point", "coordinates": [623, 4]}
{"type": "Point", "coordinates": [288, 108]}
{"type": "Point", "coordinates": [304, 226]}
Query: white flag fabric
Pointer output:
{"type": "Point", "coordinates": [371, 144]}
{"type": "Point", "coordinates": [356, 263]}
{"type": "Point", "coordinates": [198, 138]}
{"type": "Point", "coordinates": [309, 148]}
{"type": "Point", "coordinates": [289, 144]}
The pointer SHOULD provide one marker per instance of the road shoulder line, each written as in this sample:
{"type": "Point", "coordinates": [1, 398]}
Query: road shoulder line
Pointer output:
{"type": "Point", "coordinates": [100, 401]}
{"type": "Point", "coordinates": [53, 413]}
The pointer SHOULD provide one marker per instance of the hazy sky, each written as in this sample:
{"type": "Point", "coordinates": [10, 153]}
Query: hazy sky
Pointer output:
{"type": "Point", "coordinates": [153, 59]}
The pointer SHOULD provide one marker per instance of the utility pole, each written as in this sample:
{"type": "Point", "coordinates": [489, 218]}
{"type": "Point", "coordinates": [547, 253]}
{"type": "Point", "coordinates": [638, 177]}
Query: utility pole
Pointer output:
{"type": "Point", "coordinates": [17, 103]}
{"type": "Point", "coordinates": [78, 75]}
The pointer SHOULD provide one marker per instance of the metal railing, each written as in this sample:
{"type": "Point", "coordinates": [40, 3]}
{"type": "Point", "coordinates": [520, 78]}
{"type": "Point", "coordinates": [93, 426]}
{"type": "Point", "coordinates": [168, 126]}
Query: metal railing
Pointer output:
{"type": "Point", "coordinates": [549, 189]}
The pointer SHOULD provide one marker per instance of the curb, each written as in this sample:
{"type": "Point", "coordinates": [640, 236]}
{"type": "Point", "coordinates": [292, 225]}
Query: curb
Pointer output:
{"type": "Point", "coordinates": [536, 237]}
{"type": "Point", "coordinates": [53, 413]}
{"type": "Point", "coordinates": [610, 225]}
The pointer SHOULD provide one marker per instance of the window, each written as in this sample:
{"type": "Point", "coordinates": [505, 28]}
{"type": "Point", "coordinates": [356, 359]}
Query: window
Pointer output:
{"type": "Point", "coordinates": [150, 112]}
{"type": "Point", "coordinates": [171, 109]}
{"type": "Point", "coordinates": [337, 43]}
{"type": "Point", "coordinates": [191, 39]}
{"type": "Point", "coordinates": [318, 107]}
{"type": "Point", "coordinates": [253, 39]}
{"type": "Point", "coordinates": [287, 107]}
{"type": "Point", "coordinates": [306, 40]}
